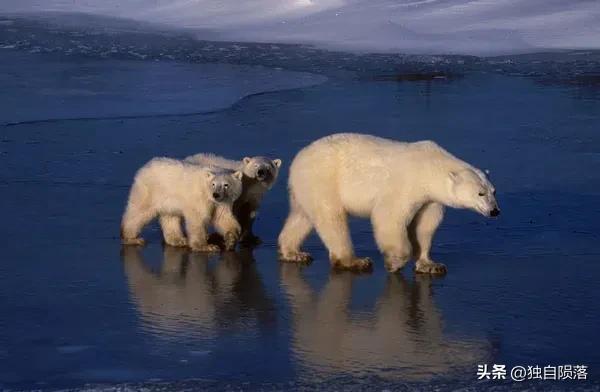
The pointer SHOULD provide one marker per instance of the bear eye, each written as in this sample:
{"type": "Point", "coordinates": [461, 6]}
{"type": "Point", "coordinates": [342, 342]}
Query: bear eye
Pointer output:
{"type": "Point", "coordinates": [481, 193]}
{"type": "Point", "coordinates": [226, 186]}
{"type": "Point", "coordinates": [213, 185]}
{"type": "Point", "coordinates": [494, 192]}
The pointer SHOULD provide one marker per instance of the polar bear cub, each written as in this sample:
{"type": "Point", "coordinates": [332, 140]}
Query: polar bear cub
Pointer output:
{"type": "Point", "coordinates": [171, 189]}
{"type": "Point", "coordinates": [260, 174]}
{"type": "Point", "coordinates": [401, 187]}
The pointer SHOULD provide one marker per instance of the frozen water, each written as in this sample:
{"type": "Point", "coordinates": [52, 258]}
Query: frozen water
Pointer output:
{"type": "Point", "coordinates": [81, 90]}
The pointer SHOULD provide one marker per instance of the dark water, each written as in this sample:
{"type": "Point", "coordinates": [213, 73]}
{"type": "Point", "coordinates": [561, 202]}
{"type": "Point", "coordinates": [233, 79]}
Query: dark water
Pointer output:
{"type": "Point", "coordinates": [80, 311]}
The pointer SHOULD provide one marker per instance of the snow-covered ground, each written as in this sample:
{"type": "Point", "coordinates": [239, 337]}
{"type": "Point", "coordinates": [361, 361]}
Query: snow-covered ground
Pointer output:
{"type": "Point", "coordinates": [417, 26]}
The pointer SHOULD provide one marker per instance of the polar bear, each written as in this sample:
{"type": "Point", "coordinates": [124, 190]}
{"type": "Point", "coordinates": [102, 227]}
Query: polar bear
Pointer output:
{"type": "Point", "coordinates": [170, 189]}
{"type": "Point", "coordinates": [260, 174]}
{"type": "Point", "coordinates": [402, 187]}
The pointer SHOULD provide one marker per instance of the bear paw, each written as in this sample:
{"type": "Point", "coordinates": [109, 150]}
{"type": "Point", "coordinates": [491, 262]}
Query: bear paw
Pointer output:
{"type": "Point", "coordinates": [250, 240]}
{"type": "Point", "coordinates": [429, 267]}
{"type": "Point", "coordinates": [296, 257]}
{"type": "Point", "coordinates": [176, 241]}
{"type": "Point", "coordinates": [216, 238]}
{"type": "Point", "coordinates": [356, 264]}
{"type": "Point", "coordinates": [230, 240]}
{"type": "Point", "coordinates": [133, 241]}
{"type": "Point", "coordinates": [394, 264]}
{"type": "Point", "coordinates": [211, 248]}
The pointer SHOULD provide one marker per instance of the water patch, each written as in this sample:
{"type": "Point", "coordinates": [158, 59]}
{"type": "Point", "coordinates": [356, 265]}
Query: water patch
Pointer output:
{"type": "Point", "coordinates": [72, 349]}
{"type": "Point", "coordinates": [99, 89]}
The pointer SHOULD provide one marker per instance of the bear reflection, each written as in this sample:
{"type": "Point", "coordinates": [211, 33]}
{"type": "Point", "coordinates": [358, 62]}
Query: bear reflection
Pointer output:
{"type": "Point", "coordinates": [194, 294]}
{"type": "Point", "coordinates": [400, 337]}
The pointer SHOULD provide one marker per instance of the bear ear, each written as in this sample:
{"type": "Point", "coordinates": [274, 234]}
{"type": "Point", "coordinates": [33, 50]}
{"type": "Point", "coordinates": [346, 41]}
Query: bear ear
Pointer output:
{"type": "Point", "coordinates": [246, 160]}
{"type": "Point", "coordinates": [238, 174]}
{"type": "Point", "coordinates": [210, 175]}
{"type": "Point", "coordinates": [277, 162]}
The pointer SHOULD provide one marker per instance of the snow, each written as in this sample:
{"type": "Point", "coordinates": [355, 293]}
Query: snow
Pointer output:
{"type": "Point", "coordinates": [426, 26]}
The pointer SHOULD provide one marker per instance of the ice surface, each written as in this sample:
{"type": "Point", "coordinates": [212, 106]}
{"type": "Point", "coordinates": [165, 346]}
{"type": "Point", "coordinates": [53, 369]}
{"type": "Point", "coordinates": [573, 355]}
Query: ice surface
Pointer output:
{"type": "Point", "coordinates": [85, 313]}
{"type": "Point", "coordinates": [142, 88]}
{"type": "Point", "coordinates": [426, 26]}
{"type": "Point", "coordinates": [521, 289]}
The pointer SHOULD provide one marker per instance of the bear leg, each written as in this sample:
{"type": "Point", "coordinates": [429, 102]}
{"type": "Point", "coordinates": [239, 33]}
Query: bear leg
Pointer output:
{"type": "Point", "coordinates": [246, 214]}
{"type": "Point", "coordinates": [394, 263]}
{"type": "Point", "coordinates": [391, 235]}
{"type": "Point", "coordinates": [195, 225]}
{"type": "Point", "coordinates": [297, 227]}
{"type": "Point", "coordinates": [423, 228]}
{"type": "Point", "coordinates": [171, 228]}
{"type": "Point", "coordinates": [250, 239]}
{"type": "Point", "coordinates": [227, 225]}
{"type": "Point", "coordinates": [421, 232]}
{"type": "Point", "coordinates": [132, 224]}
{"type": "Point", "coordinates": [332, 227]}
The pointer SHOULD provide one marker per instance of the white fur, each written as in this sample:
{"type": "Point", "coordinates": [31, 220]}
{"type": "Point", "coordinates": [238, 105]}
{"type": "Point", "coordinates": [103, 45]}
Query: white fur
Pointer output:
{"type": "Point", "coordinates": [214, 161]}
{"type": "Point", "coordinates": [402, 187]}
{"type": "Point", "coordinates": [246, 206]}
{"type": "Point", "coordinates": [172, 189]}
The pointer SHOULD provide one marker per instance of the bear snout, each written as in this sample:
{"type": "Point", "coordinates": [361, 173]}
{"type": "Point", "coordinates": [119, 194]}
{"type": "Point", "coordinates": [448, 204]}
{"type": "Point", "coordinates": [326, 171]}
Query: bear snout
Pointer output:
{"type": "Point", "coordinates": [263, 174]}
{"type": "Point", "coordinates": [216, 195]}
{"type": "Point", "coordinates": [494, 212]}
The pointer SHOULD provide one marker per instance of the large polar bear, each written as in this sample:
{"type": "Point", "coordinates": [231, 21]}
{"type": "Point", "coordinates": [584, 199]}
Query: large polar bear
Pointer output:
{"type": "Point", "coordinates": [260, 174]}
{"type": "Point", "coordinates": [402, 187]}
{"type": "Point", "coordinates": [171, 189]}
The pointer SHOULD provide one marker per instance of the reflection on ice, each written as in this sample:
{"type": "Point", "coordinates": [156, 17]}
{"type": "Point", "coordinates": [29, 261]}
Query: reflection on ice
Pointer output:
{"type": "Point", "coordinates": [401, 337]}
{"type": "Point", "coordinates": [191, 297]}
{"type": "Point", "coordinates": [196, 297]}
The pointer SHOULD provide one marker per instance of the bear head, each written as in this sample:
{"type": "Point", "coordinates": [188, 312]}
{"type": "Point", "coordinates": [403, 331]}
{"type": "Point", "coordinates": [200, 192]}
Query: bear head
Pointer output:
{"type": "Point", "coordinates": [225, 186]}
{"type": "Point", "coordinates": [470, 188]}
{"type": "Point", "coordinates": [262, 169]}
